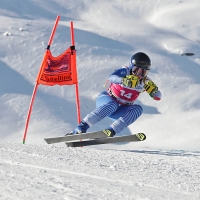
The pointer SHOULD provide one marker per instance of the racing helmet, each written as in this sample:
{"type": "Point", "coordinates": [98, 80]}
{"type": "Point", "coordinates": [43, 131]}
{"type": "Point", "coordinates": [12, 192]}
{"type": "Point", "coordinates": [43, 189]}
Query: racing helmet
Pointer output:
{"type": "Point", "coordinates": [140, 64]}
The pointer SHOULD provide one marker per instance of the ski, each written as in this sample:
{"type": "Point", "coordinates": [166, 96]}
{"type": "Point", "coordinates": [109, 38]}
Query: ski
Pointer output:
{"type": "Point", "coordinates": [126, 138]}
{"type": "Point", "coordinates": [83, 136]}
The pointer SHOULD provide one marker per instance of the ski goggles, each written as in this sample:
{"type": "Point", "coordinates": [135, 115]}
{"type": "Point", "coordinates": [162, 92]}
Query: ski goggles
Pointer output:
{"type": "Point", "coordinates": [140, 71]}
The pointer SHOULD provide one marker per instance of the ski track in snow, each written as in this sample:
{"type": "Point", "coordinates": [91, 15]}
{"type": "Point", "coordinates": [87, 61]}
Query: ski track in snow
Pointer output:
{"type": "Point", "coordinates": [50, 172]}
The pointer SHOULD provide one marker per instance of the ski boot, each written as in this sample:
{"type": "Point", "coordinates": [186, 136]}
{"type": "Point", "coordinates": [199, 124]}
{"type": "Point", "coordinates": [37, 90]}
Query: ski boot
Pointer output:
{"type": "Point", "coordinates": [81, 128]}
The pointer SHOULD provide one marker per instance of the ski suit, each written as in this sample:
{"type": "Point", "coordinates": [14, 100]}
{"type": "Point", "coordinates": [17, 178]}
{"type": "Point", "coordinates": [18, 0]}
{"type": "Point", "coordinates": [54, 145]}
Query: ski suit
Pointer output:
{"type": "Point", "coordinates": [117, 102]}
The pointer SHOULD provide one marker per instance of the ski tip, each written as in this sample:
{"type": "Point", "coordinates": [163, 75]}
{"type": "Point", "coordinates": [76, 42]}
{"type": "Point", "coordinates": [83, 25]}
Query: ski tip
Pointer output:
{"type": "Point", "coordinates": [69, 144]}
{"type": "Point", "coordinates": [47, 141]}
{"type": "Point", "coordinates": [141, 136]}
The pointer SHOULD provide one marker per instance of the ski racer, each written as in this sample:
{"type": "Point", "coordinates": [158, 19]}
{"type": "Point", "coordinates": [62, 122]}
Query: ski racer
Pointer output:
{"type": "Point", "coordinates": [118, 102]}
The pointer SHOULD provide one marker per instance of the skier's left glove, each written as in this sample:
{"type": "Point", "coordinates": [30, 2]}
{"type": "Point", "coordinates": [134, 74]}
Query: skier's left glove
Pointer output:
{"type": "Point", "coordinates": [130, 81]}
{"type": "Point", "coordinates": [152, 89]}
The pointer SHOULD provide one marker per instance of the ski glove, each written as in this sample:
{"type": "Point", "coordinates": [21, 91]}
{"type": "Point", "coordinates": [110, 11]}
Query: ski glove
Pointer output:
{"type": "Point", "coordinates": [130, 81]}
{"type": "Point", "coordinates": [151, 88]}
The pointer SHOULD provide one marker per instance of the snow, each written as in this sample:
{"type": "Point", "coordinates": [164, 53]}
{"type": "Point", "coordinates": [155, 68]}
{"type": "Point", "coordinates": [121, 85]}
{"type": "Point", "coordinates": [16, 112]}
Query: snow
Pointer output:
{"type": "Point", "coordinates": [52, 172]}
{"type": "Point", "coordinates": [165, 166]}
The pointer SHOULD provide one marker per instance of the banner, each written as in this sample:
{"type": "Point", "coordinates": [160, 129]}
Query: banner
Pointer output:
{"type": "Point", "coordinates": [60, 70]}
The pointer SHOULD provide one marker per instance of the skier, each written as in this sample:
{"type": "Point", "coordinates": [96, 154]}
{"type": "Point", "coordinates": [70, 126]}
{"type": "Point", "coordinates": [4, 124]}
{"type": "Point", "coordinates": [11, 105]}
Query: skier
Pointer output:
{"type": "Point", "coordinates": [117, 102]}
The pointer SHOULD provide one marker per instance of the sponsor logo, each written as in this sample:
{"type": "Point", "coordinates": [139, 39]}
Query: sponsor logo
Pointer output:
{"type": "Point", "coordinates": [107, 132]}
{"type": "Point", "coordinates": [58, 78]}
{"type": "Point", "coordinates": [123, 73]}
{"type": "Point", "coordinates": [141, 136]}
{"type": "Point", "coordinates": [60, 65]}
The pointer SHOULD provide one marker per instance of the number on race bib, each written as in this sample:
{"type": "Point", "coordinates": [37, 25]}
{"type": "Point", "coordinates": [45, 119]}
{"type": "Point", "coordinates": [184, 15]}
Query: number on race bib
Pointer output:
{"type": "Point", "coordinates": [127, 95]}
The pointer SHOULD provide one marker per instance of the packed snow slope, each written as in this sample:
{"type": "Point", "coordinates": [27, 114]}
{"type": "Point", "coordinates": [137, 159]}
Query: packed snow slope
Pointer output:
{"type": "Point", "coordinates": [106, 35]}
{"type": "Point", "coordinates": [44, 172]}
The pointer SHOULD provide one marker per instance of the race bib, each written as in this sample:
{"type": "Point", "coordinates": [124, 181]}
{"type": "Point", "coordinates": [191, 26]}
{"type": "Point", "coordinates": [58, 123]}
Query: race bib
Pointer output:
{"type": "Point", "coordinates": [126, 94]}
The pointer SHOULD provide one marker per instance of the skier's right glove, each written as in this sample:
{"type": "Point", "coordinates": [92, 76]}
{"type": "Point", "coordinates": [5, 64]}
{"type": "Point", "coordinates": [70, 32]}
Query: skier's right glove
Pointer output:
{"type": "Point", "coordinates": [130, 81]}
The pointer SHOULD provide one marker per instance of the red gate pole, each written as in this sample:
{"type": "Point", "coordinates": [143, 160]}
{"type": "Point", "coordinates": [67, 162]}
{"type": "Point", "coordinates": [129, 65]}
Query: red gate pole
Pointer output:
{"type": "Point", "coordinates": [36, 84]}
{"type": "Point", "coordinates": [76, 84]}
{"type": "Point", "coordinates": [29, 112]}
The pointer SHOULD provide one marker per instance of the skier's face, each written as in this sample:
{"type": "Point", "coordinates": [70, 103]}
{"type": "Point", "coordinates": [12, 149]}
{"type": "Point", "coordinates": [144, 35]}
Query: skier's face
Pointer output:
{"type": "Point", "coordinates": [139, 72]}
